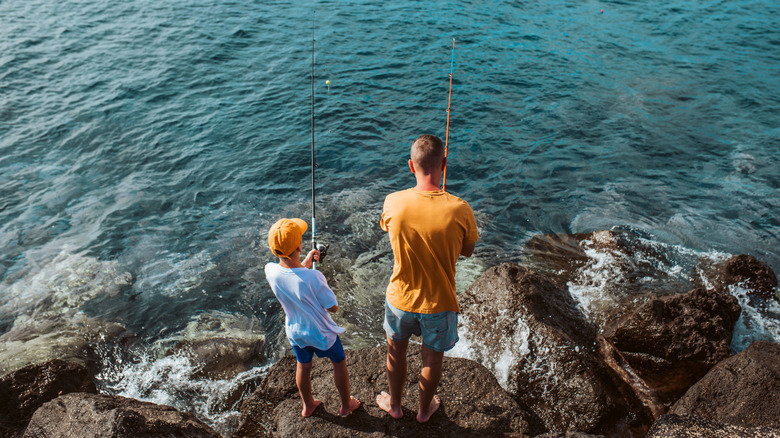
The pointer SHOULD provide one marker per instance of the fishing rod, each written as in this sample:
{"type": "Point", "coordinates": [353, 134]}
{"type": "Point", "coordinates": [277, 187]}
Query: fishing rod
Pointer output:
{"type": "Point", "coordinates": [314, 245]}
{"type": "Point", "coordinates": [447, 134]}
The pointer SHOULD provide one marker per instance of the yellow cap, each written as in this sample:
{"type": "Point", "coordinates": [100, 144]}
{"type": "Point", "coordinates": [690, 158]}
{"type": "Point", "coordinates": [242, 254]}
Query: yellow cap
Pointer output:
{"type": "Point", "coordinates": [285, 236]}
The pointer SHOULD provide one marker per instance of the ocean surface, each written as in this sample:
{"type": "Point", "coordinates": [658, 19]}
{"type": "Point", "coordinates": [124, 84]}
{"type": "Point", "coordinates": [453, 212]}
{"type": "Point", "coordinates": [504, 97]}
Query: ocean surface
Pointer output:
{"type": "Point", "coordinates": [146, 147]}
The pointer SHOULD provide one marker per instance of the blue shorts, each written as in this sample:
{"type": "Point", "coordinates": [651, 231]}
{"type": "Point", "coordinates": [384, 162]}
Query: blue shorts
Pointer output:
{"type": "Point", "coordinates": [334, 353]}
{"type": "Point", "coordinates": [439, 331]}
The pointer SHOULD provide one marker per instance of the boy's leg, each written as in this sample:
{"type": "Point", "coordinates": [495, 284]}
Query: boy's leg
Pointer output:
{"type": "Point", "coordinates": [341, 378]}
{"type": "Point", "coordinates": [303, 380]}
{"type": "Point", "coordinates": [396, 378]}
{"type": "Point", "coordinates": [430, 375]}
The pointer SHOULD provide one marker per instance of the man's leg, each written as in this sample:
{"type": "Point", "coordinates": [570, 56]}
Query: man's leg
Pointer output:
{"type": "Point", "coordinates": [396, 378]}
{"type": "Point", "coordinates": [303, 380]}
{"type": "Point", "coordinates": [430, 375]}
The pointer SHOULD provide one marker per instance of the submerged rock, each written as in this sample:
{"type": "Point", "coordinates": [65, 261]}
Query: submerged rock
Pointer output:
{"type": "Point", "coordinates": [676, 426]}
{"type": "Point", "coordinates": [222, 358]}
{"type": "Point", "coordinates": [526, 328]}
{"type": "Point", "coordinates": [221, 344]}
{"type": "Point", "coordinates": [473, 404]}
{"type": "Point", "coordinates": [38, 341]}
{"type": "Point", "coordinates": [93, 415]}
{"type": "Point", "coordinates": [672, 341]}
{"type": "Point", "coordinates": [743, 390]}
{"type": "Point", "coordinates": [25, 390]}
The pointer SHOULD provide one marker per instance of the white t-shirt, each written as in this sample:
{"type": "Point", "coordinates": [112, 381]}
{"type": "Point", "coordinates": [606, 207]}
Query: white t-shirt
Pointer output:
{"type": "Point", "coordinates": [304, 294]}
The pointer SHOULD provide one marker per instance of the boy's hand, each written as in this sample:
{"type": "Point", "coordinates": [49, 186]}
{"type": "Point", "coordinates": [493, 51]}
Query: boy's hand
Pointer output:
{"type": "Point", "coordinates": [311, 257]}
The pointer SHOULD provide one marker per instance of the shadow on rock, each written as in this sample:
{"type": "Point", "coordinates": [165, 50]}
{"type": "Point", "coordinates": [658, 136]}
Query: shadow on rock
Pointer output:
{"type": "Point", "coordinates": [473, 404]}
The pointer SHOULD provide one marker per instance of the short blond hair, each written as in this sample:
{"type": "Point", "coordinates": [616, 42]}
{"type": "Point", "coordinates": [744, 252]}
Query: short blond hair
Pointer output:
{"type": "Point", "coordinates": [427, 153]}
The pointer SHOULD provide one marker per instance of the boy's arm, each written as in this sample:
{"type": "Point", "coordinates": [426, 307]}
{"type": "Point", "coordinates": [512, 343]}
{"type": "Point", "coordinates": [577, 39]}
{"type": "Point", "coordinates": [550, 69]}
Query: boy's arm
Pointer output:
{"type": "Point", "coordinates": [333, 309]}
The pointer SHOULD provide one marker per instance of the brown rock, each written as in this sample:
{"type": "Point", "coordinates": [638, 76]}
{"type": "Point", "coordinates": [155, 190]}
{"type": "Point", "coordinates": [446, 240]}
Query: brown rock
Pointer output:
{"type": "Point", "coordinates": [752, 273]}
{"type": "Point", "coordinates": [106, 416]}
{"type": "Point", "coordinates": [222, 358]}
{"type": "Point", "coordinates": [526, 325]}
{"type": "Point", "coordinates": [743, 390]}
{"type": "Point", "coordinates": [473, 404]}
{"type": "Point", "coordinates": [25, 390]}
{"type": "Point", "coordinates": [676, 426]}
{"type": "Point", "coordinates": [672, 341]}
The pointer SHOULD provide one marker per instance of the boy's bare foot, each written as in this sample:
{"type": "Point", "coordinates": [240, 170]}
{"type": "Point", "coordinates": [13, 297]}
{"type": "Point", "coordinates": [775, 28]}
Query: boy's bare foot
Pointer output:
{"type": "Point", "coordinates": [353, 404]}
{"type": "Point", "coordinates": [433, 406]}
{"type": "Point", "coordinates": [308, 411]}
{"type": "Point", "coordinates": [383, 401]}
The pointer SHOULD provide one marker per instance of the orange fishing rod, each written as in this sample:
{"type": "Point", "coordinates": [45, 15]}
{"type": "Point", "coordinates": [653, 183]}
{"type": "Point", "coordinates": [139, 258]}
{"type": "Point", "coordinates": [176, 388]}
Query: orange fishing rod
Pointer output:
{"type": "Point", "coordinates": [447, 134]}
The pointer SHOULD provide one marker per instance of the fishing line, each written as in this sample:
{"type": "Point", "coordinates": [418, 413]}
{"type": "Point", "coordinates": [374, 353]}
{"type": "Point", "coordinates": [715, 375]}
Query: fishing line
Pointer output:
{"type": "Point", "coordinates": [447, 134]}
{"type": "Point", "coordinates": [314, 245]}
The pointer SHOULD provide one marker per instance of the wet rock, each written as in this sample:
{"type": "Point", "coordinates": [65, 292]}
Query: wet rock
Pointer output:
{"type": "Point", "coordinates": [23, 391]}
{"type": "Point", "coordinates": [38, 341]}
{"type": "Point", "coordinates": [672, 341]}
{"type": "Point", "coordinates": [527, 329]}
{"type": "Point", "coordinates": [222, 358]}
{"type": "Point", "coordinates": [560, 254]}
{"type": "Point", "coordinates": [221, 344]}
{"type": "Point", "coordinates": [93, 415]}
{"type": "Point", "coordinates": [676, 426]}
{"type": "Point", "coordinates": [473, 404]}
{"type": "Point", "coordinates": [742, 390]}
{"type": "Point", "coordinates": [748, 271]}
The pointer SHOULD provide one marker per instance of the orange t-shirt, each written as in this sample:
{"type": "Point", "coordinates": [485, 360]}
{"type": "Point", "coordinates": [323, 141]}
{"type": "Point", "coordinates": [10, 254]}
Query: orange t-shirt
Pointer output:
{"type": "Point", "coordinates": [427, 231]}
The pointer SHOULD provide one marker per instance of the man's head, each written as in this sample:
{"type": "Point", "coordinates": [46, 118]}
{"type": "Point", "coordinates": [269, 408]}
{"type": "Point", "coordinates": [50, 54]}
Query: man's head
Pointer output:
{"type": "Point", "coordinates": [427, 154]}
{"type": "Point", "coordinates": [284, 237]}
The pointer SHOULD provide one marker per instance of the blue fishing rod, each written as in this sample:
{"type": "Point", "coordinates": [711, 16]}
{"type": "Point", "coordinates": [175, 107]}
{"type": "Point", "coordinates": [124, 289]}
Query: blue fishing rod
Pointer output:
{"type": "Point", "coordinates": [322, 248]}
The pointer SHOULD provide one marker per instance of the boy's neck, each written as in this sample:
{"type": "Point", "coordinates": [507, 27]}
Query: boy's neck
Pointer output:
{"type": "Point", "coordinates": [293, 262]}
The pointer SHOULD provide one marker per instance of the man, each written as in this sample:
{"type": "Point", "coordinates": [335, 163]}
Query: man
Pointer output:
{"type": "Point", "coordinates": [428, 230]}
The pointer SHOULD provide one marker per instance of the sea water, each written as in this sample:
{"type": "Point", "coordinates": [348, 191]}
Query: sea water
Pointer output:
{"type": "Point", "coordinates": [146, 147]}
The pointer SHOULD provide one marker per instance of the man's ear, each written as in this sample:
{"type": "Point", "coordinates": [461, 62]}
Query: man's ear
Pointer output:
{"type": "Point", "coordinates": [443, 163]}
{"type": "Point", "coordinates": [411, 166]}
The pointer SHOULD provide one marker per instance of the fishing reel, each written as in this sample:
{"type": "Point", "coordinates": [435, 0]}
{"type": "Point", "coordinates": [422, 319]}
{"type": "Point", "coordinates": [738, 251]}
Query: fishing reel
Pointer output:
{"type": "Point", "coordinates": [323, 249]}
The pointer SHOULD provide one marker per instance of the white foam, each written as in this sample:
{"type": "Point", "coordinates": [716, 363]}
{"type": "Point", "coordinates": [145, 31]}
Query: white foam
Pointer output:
{"type": "Point", "coordinates": [171, 380]}
{"type": "Point", "coordinates": [758, 321]}
{"type": "Point", "coordinates": [513, 346]}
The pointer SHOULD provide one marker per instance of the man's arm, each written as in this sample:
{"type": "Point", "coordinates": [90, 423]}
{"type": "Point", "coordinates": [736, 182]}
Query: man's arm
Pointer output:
{"type": "Point", "coordinates": [333, 309]}
{"type": "Point", "coordinates": [468, 250]}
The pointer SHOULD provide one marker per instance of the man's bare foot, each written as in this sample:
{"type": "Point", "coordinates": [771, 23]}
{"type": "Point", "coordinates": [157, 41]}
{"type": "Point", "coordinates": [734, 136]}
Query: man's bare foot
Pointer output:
{"type": "Point", "coordinates": [353, 404]}
{"type": "Point", "coordinates": [433, 406]}
{"type": "Point", "coordinates": [308, 411]}
{"type": "Point", "coordinates": [383, 401]}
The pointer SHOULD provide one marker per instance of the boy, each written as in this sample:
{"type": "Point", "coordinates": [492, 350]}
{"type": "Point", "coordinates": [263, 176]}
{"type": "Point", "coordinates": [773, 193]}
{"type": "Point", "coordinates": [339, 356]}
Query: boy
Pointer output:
{"type": "Point", "coordinates": [305, 297]}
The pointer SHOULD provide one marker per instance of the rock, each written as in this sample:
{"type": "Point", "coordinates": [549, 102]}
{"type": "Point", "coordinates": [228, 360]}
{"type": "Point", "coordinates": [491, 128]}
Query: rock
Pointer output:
{"type": "Point", "coordinates": [222, 358]}
{"type": "Point", "coordinates": [38, 341]}
{"type": "Point", "coordinates": [747, 270]}
{"type": "Point", "coordinates": [560, 254]}
{"type": "Point", "coordinates": [23, 391]}
{"type": "Point", "coordinates": [106, 416]}
{"type": "Point", "coordinates": [473, 404]}
{"type": "Point", "coordinates": [676, 426]}
{"type": "Point", "coordinates": [527, 329]}
{"type": "Point", "coordinates": [672, 341]}
{"type": "Point", "coordinates": [567, 435]}
{"type": "Point", "coordinates": [742, 390]}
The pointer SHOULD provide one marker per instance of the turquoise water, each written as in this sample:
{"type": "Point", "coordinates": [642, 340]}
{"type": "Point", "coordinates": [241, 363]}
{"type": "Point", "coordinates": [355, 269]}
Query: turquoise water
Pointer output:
{"type": "Point", "coordinates": [157, 141]}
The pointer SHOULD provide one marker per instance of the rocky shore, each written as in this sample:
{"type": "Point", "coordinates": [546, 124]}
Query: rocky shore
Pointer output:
{"type": "Point", "coordinates": [539, 361]}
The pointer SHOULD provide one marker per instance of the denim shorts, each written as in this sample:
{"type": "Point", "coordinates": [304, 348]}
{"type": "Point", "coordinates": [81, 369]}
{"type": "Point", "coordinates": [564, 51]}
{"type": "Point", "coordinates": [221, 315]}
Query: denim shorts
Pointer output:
{"type": "Point", "coordinates": [334, 353]}
{"type": "Point", "coordinates": [439, 331]}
